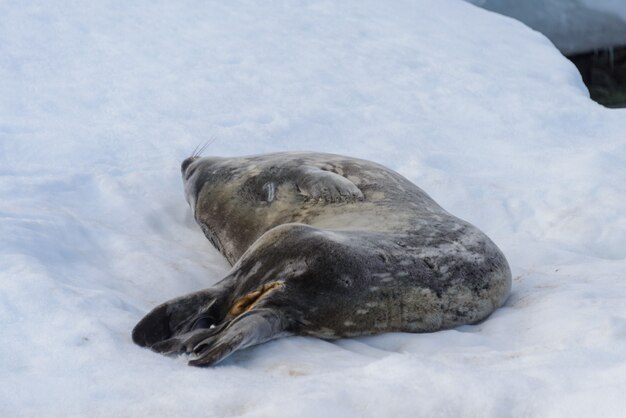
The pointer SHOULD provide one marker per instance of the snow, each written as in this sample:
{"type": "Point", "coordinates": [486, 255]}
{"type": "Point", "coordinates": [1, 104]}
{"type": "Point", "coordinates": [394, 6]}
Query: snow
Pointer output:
{"type": "Point", "coordinates": [575, 26]}
{"type": "Point", "coordinates": [101, 101]}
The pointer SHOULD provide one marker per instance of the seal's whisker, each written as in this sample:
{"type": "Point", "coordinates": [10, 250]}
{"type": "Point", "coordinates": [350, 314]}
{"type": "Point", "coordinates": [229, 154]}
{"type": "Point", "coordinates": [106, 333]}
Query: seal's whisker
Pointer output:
{"type": "Point", "coordinates": [193, 153]}
{"type": "Point", "coordinates": [210, 141]}
{"type": "Point", "coordinates": [200, 148]}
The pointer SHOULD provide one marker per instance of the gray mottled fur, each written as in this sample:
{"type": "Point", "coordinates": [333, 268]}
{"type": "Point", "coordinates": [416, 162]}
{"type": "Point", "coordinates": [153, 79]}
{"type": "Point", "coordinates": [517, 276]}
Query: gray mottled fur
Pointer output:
{"type": "Point", "coordinates": [351, 248]}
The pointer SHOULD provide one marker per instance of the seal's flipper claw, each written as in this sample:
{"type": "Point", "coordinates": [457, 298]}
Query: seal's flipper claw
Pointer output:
{"type": "Point", "coordinates": [169, 346]}
{"type": "Point", "coordinates": [251, 328]}
{"type": "Point", "coordinates": [185, 343]}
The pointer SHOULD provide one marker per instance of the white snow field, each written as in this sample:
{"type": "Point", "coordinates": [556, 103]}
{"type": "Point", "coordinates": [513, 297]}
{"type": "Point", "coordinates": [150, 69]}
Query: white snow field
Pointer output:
{"type": "Point", "coordinates": [101, 101]}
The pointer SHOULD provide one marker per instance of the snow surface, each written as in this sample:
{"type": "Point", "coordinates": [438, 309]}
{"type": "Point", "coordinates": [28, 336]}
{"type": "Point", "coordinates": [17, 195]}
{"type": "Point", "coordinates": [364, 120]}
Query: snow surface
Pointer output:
{"type": "Point", "coordinates": [100, 101]}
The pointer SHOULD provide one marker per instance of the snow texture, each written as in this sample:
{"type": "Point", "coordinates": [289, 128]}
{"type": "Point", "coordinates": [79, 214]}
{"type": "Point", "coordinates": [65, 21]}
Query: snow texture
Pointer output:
{"type": "Point", "coordinates": [101, 101]}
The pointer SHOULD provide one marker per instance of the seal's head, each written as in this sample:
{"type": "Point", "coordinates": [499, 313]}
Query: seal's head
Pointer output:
{"type": "Point", "coordinates": [196, 172]}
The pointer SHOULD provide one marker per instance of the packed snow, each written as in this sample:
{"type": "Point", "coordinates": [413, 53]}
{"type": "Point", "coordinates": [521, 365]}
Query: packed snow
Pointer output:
{"type": "Point", "coordinates": [101, 101]}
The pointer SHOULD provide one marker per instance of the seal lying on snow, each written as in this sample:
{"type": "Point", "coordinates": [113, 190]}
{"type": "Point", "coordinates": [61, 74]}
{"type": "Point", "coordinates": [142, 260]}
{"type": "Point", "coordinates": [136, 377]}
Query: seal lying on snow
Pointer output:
{"type": "Point", "coordinates": [327, 246]}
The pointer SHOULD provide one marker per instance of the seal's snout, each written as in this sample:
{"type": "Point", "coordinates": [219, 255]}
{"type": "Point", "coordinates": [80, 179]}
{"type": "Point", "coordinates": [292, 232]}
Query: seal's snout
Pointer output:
{"type": "Point", "coordinates": [187, 162]}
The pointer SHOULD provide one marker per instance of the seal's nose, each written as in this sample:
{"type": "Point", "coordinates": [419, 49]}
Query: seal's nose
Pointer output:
{"type": "Point", "coordinates": [186, 163]}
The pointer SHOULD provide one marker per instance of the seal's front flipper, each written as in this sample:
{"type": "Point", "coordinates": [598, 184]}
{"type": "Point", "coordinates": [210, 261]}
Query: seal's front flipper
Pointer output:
{"type": "Point", "coordinates": [253, 327]}
{"type": "Point", "coordinates": [179, 316]}
{"type": "Point", "coordinates": [330, 187]}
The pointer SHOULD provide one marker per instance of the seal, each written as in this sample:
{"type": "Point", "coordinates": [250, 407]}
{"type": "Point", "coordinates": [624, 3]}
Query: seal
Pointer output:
{"type": "Point", "coordinates": [326, 246]}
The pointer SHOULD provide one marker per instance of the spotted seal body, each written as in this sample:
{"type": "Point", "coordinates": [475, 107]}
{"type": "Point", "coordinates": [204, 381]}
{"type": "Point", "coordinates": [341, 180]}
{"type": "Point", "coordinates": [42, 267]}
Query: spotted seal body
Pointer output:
{"type": "Point", "coordinates": [326, 246]}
